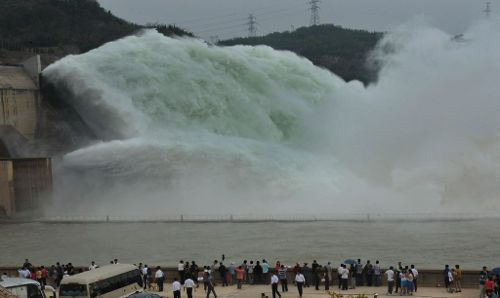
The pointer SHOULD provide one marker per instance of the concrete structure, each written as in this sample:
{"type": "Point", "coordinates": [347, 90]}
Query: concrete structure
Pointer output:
{"type": "Point", "coordinates": [25, 185]}
{"type": "Point", "coordinates": [19, 105]}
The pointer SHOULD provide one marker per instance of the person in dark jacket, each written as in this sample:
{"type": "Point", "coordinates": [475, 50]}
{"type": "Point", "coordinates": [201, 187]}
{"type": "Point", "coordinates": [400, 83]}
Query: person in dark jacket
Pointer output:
{"type": "Point", "coordinates": [223, 274]}
{"type": "Point", "coordinates": [257, 272]}
{"type": "Point", "coordinates": [316, 268]}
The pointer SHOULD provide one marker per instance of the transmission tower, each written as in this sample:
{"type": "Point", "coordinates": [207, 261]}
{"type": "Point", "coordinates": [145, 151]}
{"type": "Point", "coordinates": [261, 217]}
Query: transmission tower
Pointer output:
{"type": "Point", "coordinates": [314, 12]}
{"type": "Point", "coordinates": [252, 25]}
{"type": "Point", "coordinates": [487, 10]}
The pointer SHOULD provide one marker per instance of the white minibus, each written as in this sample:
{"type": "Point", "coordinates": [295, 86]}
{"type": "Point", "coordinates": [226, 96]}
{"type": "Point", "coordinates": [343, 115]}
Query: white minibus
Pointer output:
{"type": "Point", "coordinates": [111, 281]}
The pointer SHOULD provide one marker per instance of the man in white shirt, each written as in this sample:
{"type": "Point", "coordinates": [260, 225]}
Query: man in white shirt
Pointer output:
{"type": "Point", "coordinates": [189, 285]}
{"type": "Point", "coordinates": [390, 279]}
{"type": "Point", "coordinates": [274, 285]}
{"type": "Point", "coordinates": [300, 280]}
{"type": "Point", "coordinates": [176, 288]}
{"type": "Point", "coordinates": [339, 274]}
{"type": "Point", "coordinates": [159, 276]}
{"type": "Point", "coordinates": [145, 276]}
{"type": "Point", "coordinates": [345, 277]}
{"type": "Point", "coordinates": [24, 273]}
{"type": "Point", "coordinates": [415, 275]}
{"type": "Point", "coordinates": [93, 266]}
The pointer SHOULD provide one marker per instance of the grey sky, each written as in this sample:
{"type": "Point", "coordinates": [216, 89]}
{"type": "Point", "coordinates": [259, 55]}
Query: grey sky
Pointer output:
{"type": "Point", "coordinates": [227, 18]}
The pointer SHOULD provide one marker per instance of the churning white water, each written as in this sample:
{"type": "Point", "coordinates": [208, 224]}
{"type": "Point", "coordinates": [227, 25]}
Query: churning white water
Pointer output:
{"type": "Point", "coordinates": [186, 127]}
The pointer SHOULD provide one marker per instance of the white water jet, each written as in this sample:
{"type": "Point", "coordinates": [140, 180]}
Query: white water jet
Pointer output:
{"type": "Point", "coordinates": [192, 128]}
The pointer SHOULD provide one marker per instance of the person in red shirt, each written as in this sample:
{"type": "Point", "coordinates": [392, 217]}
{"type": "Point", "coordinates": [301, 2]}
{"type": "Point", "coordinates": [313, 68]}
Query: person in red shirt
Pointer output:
{"type": "Point", "coordinates": [240, 273]}
{"type": "Point", "coordinates": [277, 267]}
{"type": "Point", "coordinates": [490, 286]}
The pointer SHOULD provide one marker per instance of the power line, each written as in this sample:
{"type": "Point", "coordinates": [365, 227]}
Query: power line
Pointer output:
{"type": "Point", "coordinates": [252, 25]}
{"type": "Point", "coordinates": [314, 12]}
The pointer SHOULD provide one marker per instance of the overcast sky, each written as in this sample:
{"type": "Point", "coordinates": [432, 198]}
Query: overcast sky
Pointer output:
{"type": "Point", "coordinates": [228, 18]}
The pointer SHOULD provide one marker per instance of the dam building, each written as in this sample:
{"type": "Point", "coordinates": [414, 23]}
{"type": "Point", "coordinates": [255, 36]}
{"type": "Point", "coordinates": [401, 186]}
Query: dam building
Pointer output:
{"type": "Point", "coordinates": [25, 182]}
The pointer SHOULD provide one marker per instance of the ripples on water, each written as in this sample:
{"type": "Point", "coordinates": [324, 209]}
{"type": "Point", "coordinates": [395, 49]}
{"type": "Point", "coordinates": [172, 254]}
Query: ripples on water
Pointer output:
{"type": "Point", "coordinates": [471, 243]}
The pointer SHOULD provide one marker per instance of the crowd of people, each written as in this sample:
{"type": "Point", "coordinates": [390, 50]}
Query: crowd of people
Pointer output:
{"type": "Point", "coordinates": [402, 280]}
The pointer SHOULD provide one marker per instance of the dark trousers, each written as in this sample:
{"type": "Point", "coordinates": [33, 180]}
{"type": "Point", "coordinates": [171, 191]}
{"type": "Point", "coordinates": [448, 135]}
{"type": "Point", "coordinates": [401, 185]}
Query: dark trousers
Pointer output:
{"type": "Point", "coordinates": [415, 284]}
{"type": "Point", "coordinates": [189, 292]}
{"type": "Point", "coordinates": [300, 285]}
{"type": "Point", "coordinates": [340, 281]}
{"type": "Point", "coordinates": [181, 276]}
{"type": "Point", "coordinates": [210, 289]}
{"type": "Point", "coordinates": [284, 285]}
{"type": "Point", "coordinates": [390, 286]}
{"type": "Point", "coordinates": [316, 281]}
{"type": "Point", "coordinates": [369, 279]}
{"type": "Point", "coordinates": [344, 283]}
{"type": "Point", "coordinates": [159, 282]}
{"type": "Point", "coordinates": [327, 283]}
{"type": "Point", "coordinates": [239, 283]}
{"type": "Point", "coordinates": [177, 294]}
{"type": "Point", "coordinates": [223, 279]}
{"type": "Point", "coordinates": [398, 284]}
{"type": "Point", "coordinates": [359, 279]}
{"type": "Point", "coordinates": [275, 290]}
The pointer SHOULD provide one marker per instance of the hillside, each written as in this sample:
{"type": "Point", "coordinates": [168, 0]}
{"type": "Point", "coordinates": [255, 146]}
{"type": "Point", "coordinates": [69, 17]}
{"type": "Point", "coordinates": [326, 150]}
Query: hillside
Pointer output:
{"type": "Point", "coordinates": [55, 28]}
{"type": "Point", "coordinates": [343, 51]}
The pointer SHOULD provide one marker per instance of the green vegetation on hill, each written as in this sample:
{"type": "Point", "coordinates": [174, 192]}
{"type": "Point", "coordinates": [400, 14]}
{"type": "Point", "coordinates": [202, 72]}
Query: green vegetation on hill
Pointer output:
{"type": "Point", "coordinates": [77, 25]}
{"type": "Point", "coordinates": [343, 51]}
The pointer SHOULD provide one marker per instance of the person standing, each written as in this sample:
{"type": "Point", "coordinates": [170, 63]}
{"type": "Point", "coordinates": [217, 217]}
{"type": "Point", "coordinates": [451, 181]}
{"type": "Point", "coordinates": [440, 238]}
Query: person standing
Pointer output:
{"type": "Point", "coordinates": [339, 275]}
{"type": "Point", "coordinates": [450, 280]}
{"type": "Point", "coordinates": [390, 279]}
{"type": "Point", "coordinates": [240, 274]}
{"type": "Point", "coordinates": [489, 286]}
{"type": "Point", "coordinates": [210, 286]}
{"type": "Point", "coordinates": [359, 273]}
{"type": "Point", "coordinates": [223, 274]}
{"type": "Point", "coordinates": [257, 271]}
{"type": "Point", "coordinates": [306, 270]}
{"type": "Point", "coordinates": [274, 285]}
{"type": "Point", "coordinates": [250, 271]}
{"type": "Point", "coordinates": [189, 285]}
{"type": "Point", "coordinates": [180, 269]}
{"type": "Point", "coordinates": [345, 277]}
{"type": "Point", "coordinates": [415, 277]}
{"type": "Point", "coordinates": [159, 276]}
{"type": "Point", "coordinates": [265, 271]}
{"type": "Point", "coordinates": [315, 268]}
{"type": "Point", "coordinates": [329, 270]}
{"type": "Point", "coordinates": [445, 276]}
{"type": "Point", "coordinates": [458, 279]}
{"type": "Point", "coordinates": [483, 276]}
{"type": "Point", "coordinates": [377, 273]}
{"type": "Point", "coordinates": [283, 278]}
{"type": "Point", "coordinates": [327, 279]}
{"type": "Point", "coordinates": [368, 271]}
{"type": "Point", "coordinates": [145, 276]}
{"type": "Point", "coordinates": [176, 288]}
{"type": "Point", "coordinates": [245, 267]}
{"type": "Point", "coordinates": [231, 273]}
{"type": "Point", "coordinates": [299, 281]}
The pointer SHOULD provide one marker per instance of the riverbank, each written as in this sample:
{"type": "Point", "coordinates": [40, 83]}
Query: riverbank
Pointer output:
{"type": "Point", "coordinates": [432, 278]}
